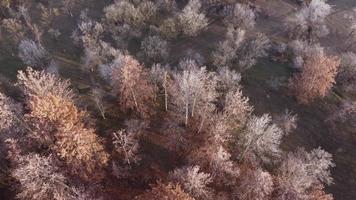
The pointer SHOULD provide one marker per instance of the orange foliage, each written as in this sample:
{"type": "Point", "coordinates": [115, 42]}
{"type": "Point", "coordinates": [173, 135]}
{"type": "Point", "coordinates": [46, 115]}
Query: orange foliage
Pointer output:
{"type": "Point", "coordinates": [316, 79]}
{"type": "Point", "coordinates": [79, 146]}
{"type": "Point", "coordinates": [132, 83]}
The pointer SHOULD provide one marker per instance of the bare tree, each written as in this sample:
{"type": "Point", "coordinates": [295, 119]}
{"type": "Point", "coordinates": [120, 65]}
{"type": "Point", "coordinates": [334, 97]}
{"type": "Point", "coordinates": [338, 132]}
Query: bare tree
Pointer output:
{"type": "Point", "coordinates": [261, 138]}
{"type": "Point", "coordinates": [193, 181]}
{"type": "Point", "coordinates": [168, 191]}
{"type": "Point", "coordinates": [196, 91]}
{"type": "Point", "coordinates": [302, 51]}
{"type": "Point", "coordinates": [226, 52]}
{"type": "Point", "coordinates": [10, 114]}
{"type": "Point", "coordinates": [287, 121]}
{"type": "Point", "coordinates": [242, 17]}
{"type": "Point", "coordinates": [126, 143]}
{"type": "Point", "coordinates": [97, 96]}
{"type": "Point", "coordinates": [229, 80]}
{"type": "Point", "coordinates": [162, 78]}
{"type": "Point", "coordinates": [255, 184]}
{"type": "Point", "coordinates": [191, 19]}
{"type": "Point", "coordinates": [236, 108]}
{"type": "Point", "coordinates": [316, 79]}
{"type": "Point", "coordinates": [346, 76]}
{"type": "Point", "coordinates": [33, 55]}
{"type": "Point", "coordinates": [154, 49]}
{"type": "Point", "coordinates": [223, 169]}
{"type": "Point", "coordinates": [309, 23]}
{"type": "Point", "coordinates": [301, 170]}
{"type": "Point", "coordinates": [40, 179]}
{"type": "Point", "coordinates": [131, 81]}
{"type": "Point", "coordinates": [252, 50]}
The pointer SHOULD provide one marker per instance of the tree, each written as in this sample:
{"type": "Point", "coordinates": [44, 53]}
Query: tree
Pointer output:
{"type": "Point", "coordinates": [261, 138]}
{"type": "Point", "coordinates": [193, 181]}
{"type": "Point", "coordinates": [127, 144]}
{"type": "Point", "coordinates": [191, 19]}
{"type": "Point", "coordinates": [236, 108]}
{"type": "Point", "coordinates": [50, 100]}
{"type": "Point", "coordinates": [242, 17]}
{"type": "Point", "coordinates": [10, 114]}
{"type": "Point", "coordinates": [252, 50]}
{"type": "Point", "coordinates": [39, 83]}
{"type": "Point", "coordinates": [226, 52]}
{"type": "Point", "coordinates": [309, 23]}
{"type": "Point", "coordinates": [131, 81]}
{"type": "Point", "coordinates": [301, 170]}
{"type": "Point", "coordinates": [318, 193]}
{"type": "Point", "coordinates": [168, 191]}
{"type": "Point", "coordinates": [169, 28]}
{"type": "Point", "coordinates": [287, 121]}
{"type": "Point", "coordinates": [255, 184]}
{"type": "Point", "coordinates": [161, 78]}
{"type": "Point", "coordinates": [196, 91]}
{"type": "Point", "coordinates": [316, 79]}
{"type": "Point", "coordinates": [40, 179]}
{"type": "Point", "coordinates": [346, 76]}
{"type": "Point", "coordinates": [302, 51]}
{"type": "Point", "coordinates": [97, 96]}
{"type": "Point", "coordinates": [223, 169]}
{"type": "Point", "coordinates": [229, 80]}
{"type": "Point", "coordinates": [154, 49]}
{"type": "Point", "coordinates": [33, 54]}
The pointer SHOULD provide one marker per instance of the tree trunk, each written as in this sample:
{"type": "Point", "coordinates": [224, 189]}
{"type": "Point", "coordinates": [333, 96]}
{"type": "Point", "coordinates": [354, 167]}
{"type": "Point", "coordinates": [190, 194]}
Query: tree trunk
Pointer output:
{"type": "Point", "coordinates": [165, 91]}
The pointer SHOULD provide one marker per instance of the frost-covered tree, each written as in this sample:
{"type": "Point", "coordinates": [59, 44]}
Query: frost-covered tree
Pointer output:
{"type": "Point", "coordinates": [154, 49]}
{"type": "Point", "coordinates": [127, 144]}
{"type": "Point", "coordinates": [236, 108]}
{"type": "Point", "coordinates": [33, 54]}
{"type": "Point", "coordinates": [346, 76]}
{"type": "Point", "coordinates": [252, 50]}
{"type": "Point", "coordinates": [302, 170]}
{"type": "Point", "coordinates": [223, 169]}
{"type": "Point", "coordinates": [229, 80]}
{"type": "Point", "coordinates": [161, 77]}
{"type": "Point", "coordinates": [226, 52]}
{"type": "Point", "coordinates": [15, 28]}
{"type": "Point", "coordinates": [242, 17]}
{"type": "Point", "coordinates": [255, 184]}
{"type": "Point", "coordinates": [169, 28]}
{"type": "Point", "coordinates": [302, 51]}
{"type": "Point", "coordinates": [97, 96]}
{"type": "Point", "coordinates": [193, 181]}
{"type": "Point", "coordinates": [309, 23]}
{"type": "Point", "coordinates": [287, 121]}
{"type": "Point", "coordinates": [168, 191]}
{"type": "Point", "coordinates": [131, 81]}
{"type": "Point", "coordinates": [345, 111]}
{"type": "Point", "coordinates": [316, 79]}
{"type": "Point", "coordinates": [191, 19]}
{"type": "Point", "coordinates": [261, 139]}
{"type": "Point", "coordinates": [40, 179]}
{"type": "Point", "coordinates": [196, 91]}
{"type": "Point", "coordinates": [10, 114]}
